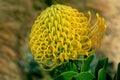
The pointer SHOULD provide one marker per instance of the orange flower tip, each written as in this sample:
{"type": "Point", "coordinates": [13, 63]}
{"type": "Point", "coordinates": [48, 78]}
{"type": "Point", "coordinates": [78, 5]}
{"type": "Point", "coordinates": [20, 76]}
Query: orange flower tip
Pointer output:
{"type": "Point", "coordinates": [105, 26]}
{"type": "Point", "coordinates": [103, 19]}
{"type": "Point", "coordinates": [97, 15]}
{"type": "Point", "coordinates": [89, 13]}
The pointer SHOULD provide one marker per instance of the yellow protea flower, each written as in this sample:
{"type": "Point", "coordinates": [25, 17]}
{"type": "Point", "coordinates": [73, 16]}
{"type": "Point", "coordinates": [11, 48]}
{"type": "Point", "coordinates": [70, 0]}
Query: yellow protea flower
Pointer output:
{"type": "Point", "coordinates": [62, 33]}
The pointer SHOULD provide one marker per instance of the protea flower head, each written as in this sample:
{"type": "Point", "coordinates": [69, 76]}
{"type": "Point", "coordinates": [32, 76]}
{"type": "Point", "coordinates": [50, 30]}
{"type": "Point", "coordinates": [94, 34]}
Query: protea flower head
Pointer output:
{"type": "Point", "coordinates": [62, 33]}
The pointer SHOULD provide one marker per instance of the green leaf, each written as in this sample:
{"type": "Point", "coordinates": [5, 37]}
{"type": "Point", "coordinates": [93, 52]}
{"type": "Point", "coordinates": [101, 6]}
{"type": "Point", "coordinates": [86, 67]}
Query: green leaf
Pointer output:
{"type": "Point", "coordinates": [68, 66]}
{"type": "Point", "coordinates": [48, 2]}
{"type": "Point", "coordinates": [102, 63]}
{"type": "Point", "coordinates": [71, 66]}
{"type": "Point", "coordinates": [84, 76]}
{"type": "Point", "coordinates": [86, 65]}
{"type": "Point", "coordinates": [102, 74]}
{"type": "Point", "coordinates": [66, 75]}
{"type": "Point", "coordinates": [108, 76]}
{"type": "Point", "coordinates": [117, 76]}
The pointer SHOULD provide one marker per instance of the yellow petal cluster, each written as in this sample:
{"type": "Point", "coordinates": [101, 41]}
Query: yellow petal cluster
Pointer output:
{"type": "Point", "coordinates": [61, 33]}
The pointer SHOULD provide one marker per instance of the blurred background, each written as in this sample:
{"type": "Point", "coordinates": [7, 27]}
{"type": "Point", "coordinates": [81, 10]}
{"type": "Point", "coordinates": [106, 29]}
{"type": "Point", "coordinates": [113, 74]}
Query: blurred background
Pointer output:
{"type": "Point", "coordinates": [16, 20]}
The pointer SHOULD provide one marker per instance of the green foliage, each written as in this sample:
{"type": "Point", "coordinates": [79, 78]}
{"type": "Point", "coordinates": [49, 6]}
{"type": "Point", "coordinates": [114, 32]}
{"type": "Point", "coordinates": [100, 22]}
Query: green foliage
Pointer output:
{"type": "Point", "coordinates": [86, 65]}
{"type": "Point", "coordinates": [102, 63]}
{"type": "Point", "coordinates": [48, 2]}
{"type": "Point", "coordinates": [70, 70]}
{"type": "Point", "coordinates": [84, 76]}
{"type": "Point", "coordinates": [117, 75]}
{"type": "Point", "coordinates": [118, 72]}
{"type": "Point", "coordinates": [68, 66]}
{"type": "Point", "coordinates": [66, 75]}
{"type": "Point", "coordinates": [85, 72]}
{"type": "Point", "coordinates": [102, 74]}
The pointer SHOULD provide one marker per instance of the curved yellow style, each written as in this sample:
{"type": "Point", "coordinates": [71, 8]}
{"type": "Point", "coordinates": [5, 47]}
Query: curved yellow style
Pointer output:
{"type": "Point", "coordinates": [61, 33]}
